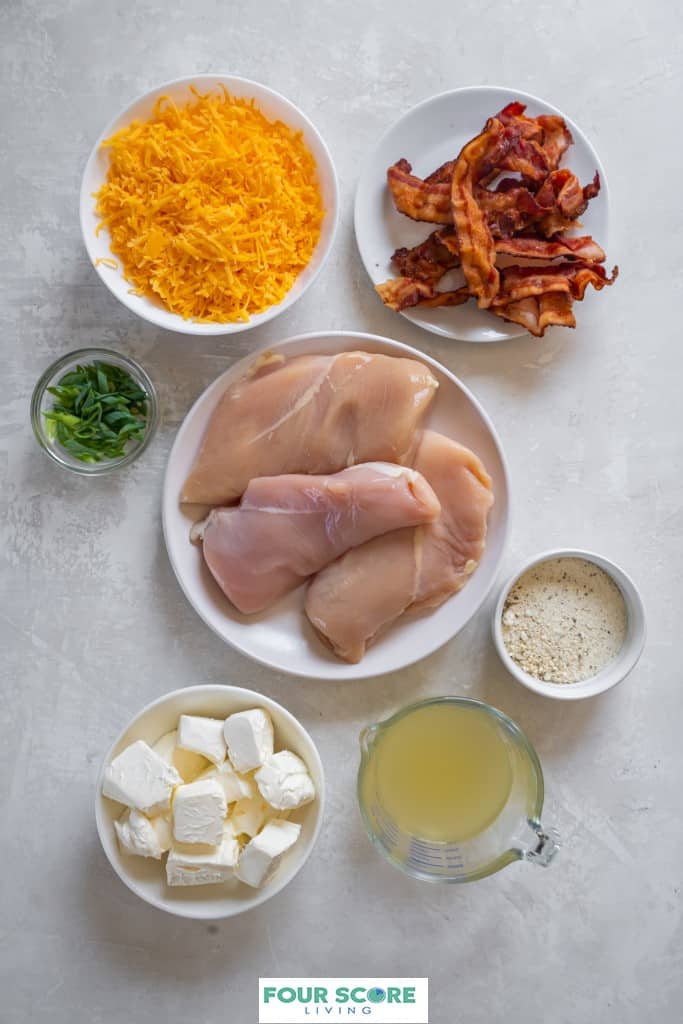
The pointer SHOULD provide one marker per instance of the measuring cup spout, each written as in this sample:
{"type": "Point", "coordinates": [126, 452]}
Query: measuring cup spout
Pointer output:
{"type": "Point", "coordinates": [545, 847]}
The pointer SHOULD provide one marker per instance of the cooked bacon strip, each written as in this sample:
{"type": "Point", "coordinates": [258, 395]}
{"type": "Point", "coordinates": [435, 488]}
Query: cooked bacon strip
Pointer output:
{"type": "Point", "coordinates": [591, 191]}
{"type": "Point", "coordinates": [404, 292]}
{"type": "Point", "coordinates": [475, 242]}
{"type": "Point", "coordinates": [449, 239]}
{"type": "Point", "coordinates": [541, 143]}
{"type": "Point", "coordinates": [513, 113]}
{"type": "Point", "coordinates": [548, 130]}
{"type": "Point", "coordinates": [513, 109]}
{"type": "Point", "coordinates": [581, 275]}
{"type": "Point", "coordinates": [528, 295]}
{"type": "Point", "coordinates": [441, 175]}
{"type": "Point", "coordinates": [553, 224]}
{"type": "Point", "coordinates": [510, 208]}
{"type": "Point", "coordinates": [559, 246]}
{"type": "Point", "coordinates": [418, 199]}
{"type": "Point", "coordinates": [572, 278]}
{"type": "Point", "coordinates": [562, 190]}
{"type": "Point", "coordinates": [430, 260]}
{"type": "Point", "coordinates": [535, 313]}
{"type": "Point", "coordinates": [509, 211]}
{"type": "Point", "coordinates": [556, 137]}
{"type": "Point", "coordinates": [439, 253]}
{"type": "Point", "coordinates": [527, 158]}
{"type": "Point", "coordinates": [582, 246]}
{"type": "Point", "coordinates": [539, 298]}
{"type": "Point", "coordinates": [456, 297]}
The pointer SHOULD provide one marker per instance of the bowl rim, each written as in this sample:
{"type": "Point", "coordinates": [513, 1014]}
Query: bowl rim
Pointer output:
{"type": "Point", "coordinates": [281, 879]}
{"type": "Point", "coordinates": [91, 353]}
{"type": "Point", "coordinates": [398, 348]}
{"type": "Point", "coordinates": [181, 326]}
{"type": "Point", "coordinates": [616, 670]}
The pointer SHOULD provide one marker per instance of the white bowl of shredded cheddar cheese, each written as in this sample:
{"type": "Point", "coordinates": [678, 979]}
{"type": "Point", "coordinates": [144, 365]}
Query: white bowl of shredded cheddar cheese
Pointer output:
{"type": "Point", "coordinates": [569, 624]}
{"type": "Point", "coordinates": [209, 205]}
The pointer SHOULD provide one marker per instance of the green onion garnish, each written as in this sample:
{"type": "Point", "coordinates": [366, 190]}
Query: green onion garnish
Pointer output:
{"type": "Point", "coordinates": [98, 410]}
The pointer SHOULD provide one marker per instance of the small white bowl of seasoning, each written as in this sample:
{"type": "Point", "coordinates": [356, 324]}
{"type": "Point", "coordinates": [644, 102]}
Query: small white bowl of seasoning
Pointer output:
{"type": "Point", "coordinates": [569, 624]}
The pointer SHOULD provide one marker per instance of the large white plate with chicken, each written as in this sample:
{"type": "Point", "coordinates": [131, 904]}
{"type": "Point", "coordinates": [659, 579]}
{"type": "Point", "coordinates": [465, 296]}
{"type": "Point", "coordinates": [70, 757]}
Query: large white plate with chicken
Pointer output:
{"type": "Point", "coordinates": [531, 188]}
{"type": "Point", "coordinates": [402, 565]}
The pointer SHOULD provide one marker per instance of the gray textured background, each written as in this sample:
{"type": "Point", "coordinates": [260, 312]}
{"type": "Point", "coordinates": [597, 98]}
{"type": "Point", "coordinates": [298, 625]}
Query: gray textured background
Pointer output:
{"type": "Point", "coordinates": [93, 624]}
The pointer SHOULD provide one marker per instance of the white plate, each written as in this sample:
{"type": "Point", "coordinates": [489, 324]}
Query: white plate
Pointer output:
{"type": "Point", "coordinates": [274, 106]}
{"type": "Point", "coordinates": [146, 877]}
{"type": "Point", "coordinates": [282, 637]}
{"type": "Point", "coordinates": [427, 136]}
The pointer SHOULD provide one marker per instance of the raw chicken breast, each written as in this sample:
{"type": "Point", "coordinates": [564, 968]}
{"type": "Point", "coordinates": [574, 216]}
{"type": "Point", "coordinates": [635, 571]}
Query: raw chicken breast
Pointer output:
{"type": "Point", "coordinates": [362, 593]}
{"type": "Point", "coordinates": [288, 527]}
{"type": "Point", "coordinates": [310, 414]}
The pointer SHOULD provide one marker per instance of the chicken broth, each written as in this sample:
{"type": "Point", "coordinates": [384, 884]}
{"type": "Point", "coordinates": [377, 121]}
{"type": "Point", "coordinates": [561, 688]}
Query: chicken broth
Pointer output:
{"type": "Point", "coordinates": [442, 773]}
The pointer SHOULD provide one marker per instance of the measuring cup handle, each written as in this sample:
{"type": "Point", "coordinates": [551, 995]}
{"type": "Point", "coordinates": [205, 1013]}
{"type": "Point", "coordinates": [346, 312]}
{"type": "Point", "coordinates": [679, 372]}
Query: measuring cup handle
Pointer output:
{"type": "Point", "coordinates": [546, 846]}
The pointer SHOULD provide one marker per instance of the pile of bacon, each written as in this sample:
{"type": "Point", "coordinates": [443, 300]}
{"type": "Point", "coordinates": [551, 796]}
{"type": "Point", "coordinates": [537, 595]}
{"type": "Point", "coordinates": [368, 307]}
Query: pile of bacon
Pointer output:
{"type": "Point", "coordinates": [525, 216]}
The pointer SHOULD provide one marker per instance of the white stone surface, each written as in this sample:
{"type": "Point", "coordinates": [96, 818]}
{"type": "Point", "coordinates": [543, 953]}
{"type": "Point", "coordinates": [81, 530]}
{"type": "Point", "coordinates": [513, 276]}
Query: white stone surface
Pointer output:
{"type": "Point", "coordinates": [93, 624]}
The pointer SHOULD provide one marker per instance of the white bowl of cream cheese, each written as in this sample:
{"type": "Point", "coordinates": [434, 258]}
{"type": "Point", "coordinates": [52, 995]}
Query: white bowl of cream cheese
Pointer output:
{"type": "Point", "coordinates": [145, 876]}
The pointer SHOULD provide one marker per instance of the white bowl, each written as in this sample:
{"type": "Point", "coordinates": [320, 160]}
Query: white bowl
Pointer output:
{"type": "Point", "coordinates": [612, 673]}
{"type": "Point", "coordinates": [281, 637]}
{"type": "Point", "coordinates": [146, 877]}
{"type": "Point", "coordinates": [274, 106]}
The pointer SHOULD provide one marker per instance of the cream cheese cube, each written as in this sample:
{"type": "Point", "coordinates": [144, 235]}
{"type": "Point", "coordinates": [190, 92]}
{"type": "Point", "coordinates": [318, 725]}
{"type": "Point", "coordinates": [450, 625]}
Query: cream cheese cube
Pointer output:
{"type": "Point", "coordinates": [235, 786]}
{"type": "Point", "coordinates": [163, 827]}
{"type": "Point", "coordinates": [261, 856]}
{"type": "Point", "coordinates": [188, 764]}
{"type": "Point", "coordinates": [143, 836]}
{"type": "Point", "coordinates": [141, 779]}
{"type": "Point", "coordinates": [202, 736]}
{"type": "Point", "coordinates": [248, 816]}
{"type": "Point", "coordinates": [249, 737]}
{"type": "Point", "coordinates": [199, 810]}
{"type": "Point", "coordinates": [186, 865]}
{"type": "Point", "coordinates": [284, 781]}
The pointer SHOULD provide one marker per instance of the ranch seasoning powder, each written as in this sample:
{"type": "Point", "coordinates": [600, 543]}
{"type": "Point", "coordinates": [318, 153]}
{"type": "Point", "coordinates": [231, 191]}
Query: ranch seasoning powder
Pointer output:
{"type": "Point", "coordinates": [564, 620]}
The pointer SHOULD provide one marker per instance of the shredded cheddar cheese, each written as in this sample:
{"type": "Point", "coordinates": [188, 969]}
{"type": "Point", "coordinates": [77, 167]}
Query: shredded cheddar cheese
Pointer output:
{"type": "Point", "coordinates": [211, 208]}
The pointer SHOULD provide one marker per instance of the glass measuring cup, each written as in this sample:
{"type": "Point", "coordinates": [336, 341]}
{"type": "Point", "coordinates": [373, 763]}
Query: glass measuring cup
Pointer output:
{"type": "Point", "coordinates": [515, 833]}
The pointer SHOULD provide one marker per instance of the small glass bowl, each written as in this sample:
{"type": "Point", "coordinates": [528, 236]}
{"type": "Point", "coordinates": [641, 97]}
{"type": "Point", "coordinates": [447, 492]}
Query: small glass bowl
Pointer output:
{"type": "Point", "coordinates": [42, 400]}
